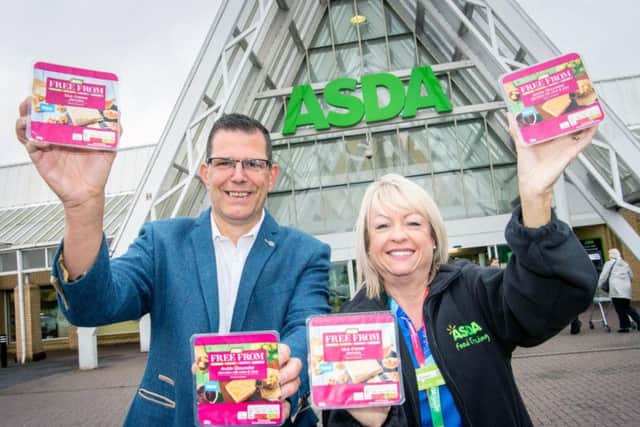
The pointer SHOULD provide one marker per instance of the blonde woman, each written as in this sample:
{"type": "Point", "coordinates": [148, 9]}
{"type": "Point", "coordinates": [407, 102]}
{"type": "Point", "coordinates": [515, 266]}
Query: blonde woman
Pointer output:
{"type": "Point", "coordinates": [620, 279]}
{"type": "Point", "coordinates": [459, 323]}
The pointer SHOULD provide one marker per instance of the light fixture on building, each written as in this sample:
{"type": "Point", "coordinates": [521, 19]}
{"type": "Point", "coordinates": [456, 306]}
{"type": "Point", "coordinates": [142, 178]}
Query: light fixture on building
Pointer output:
{"type": "Point", "coordinates": [358, 19]}
{"type": "Point", "coordinates": [368, 148]}
{"type": "Point", "coordinates": [368, 152]}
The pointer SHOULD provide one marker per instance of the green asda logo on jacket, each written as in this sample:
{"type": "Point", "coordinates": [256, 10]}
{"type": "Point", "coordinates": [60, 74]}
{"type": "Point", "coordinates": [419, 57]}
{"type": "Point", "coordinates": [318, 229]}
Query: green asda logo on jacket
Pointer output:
{"type": "Point", "coordinates": [465, 336]}
{"type": "Point", "coordinates": [351, 109]}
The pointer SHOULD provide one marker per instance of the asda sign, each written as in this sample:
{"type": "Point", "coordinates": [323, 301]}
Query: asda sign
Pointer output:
{"type": "Point", "coordinates": [340, 93]}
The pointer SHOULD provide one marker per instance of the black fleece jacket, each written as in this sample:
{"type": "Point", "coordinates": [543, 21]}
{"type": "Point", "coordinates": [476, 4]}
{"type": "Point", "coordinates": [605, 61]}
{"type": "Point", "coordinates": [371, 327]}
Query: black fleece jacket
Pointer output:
{"type": "Point", "coordinates": [476, 316]}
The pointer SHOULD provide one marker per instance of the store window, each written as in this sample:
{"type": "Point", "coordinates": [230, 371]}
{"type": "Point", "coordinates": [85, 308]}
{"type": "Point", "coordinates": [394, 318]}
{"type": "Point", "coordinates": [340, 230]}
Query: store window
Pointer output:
{"type": "Point", "coordinates": [8, 262]}
{"type": "Point", "coordinates": [52, 322]}
{"type": "Point", "coordinates": [34, 258]}
{"type": "Point", "coordinates": [10, 316]}
{"type": "Point", "coordinates": [339, 285]}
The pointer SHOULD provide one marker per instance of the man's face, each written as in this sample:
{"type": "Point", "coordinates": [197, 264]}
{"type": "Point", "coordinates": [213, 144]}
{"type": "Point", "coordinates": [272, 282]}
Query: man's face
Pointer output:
{"type": "Point", "coordinates": [238, 194]}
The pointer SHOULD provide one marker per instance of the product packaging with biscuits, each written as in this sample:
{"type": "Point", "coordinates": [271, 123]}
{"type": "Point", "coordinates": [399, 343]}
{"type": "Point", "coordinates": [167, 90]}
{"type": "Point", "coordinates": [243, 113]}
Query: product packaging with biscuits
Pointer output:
{"type": "Point", "coordinates": [354, 360]}
{"type": "Point", "coordinates": [236, 378]}
{"type": "Point", "coordinates": [74, 107]}
{"type": "Point", "coordinates": [552, 98]}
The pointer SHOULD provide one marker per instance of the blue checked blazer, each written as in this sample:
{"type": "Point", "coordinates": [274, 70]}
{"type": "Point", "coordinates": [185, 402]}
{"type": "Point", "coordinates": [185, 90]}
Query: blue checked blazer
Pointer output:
{"type": "Point", "coordinates": [169, 271]}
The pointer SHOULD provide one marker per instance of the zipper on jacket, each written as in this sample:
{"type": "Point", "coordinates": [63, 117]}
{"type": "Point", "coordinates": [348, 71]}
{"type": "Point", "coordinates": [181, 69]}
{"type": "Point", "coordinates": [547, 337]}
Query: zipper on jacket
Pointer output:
{"type": "Point", "coordinates": [435, 350]}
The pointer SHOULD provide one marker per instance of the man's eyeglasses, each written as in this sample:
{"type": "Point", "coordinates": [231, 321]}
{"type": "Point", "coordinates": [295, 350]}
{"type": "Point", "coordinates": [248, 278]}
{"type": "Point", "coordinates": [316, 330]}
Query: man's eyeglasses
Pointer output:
{"type": "Point", "coordinates": [229, 164]}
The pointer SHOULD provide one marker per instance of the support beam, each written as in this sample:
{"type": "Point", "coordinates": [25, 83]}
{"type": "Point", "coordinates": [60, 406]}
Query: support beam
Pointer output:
{"type": "Point", "coordinates": [614, 220]}
{"type": "Point", "coordinates": [21, 315]}
{"type": "Point", "coordinates": [87, 348]}
{"type": "Point", "coordinates": [295, 35]}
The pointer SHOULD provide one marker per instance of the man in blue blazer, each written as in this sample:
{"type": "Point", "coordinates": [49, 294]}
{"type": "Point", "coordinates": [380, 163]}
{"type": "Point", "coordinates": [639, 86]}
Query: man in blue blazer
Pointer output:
{"type": "Point", "coordinates": [232, 269]}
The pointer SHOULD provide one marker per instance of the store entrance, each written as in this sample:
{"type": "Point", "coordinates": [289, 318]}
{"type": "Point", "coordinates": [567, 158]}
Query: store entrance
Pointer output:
{"type": "Point", "coordinates": [482, 255]}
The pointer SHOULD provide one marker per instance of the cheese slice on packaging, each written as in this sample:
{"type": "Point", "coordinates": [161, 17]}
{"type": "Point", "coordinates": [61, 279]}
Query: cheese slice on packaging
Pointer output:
{"type": "Point", "coordinates": [241, 390]}
{"type": "Point", "coordinates": [362, 370]}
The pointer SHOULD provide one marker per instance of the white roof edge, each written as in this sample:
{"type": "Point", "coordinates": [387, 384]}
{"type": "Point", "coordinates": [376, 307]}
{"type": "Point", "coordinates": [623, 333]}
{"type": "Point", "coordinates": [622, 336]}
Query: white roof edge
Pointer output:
{"type": "Point", "coordinates": [133, 147]}
{"type": "Point", "coordinates": [623, 77]}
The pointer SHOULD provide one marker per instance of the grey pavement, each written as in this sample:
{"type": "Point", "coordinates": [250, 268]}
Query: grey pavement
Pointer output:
{"type": "Point", "coordinates": [590, 379]}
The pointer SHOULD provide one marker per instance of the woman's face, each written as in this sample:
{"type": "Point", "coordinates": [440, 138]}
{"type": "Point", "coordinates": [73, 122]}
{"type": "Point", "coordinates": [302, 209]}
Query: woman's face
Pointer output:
{"type": "Point", "coordinates": [400, 245]}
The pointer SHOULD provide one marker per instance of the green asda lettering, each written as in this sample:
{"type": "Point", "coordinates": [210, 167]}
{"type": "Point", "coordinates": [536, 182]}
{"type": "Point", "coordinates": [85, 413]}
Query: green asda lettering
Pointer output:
{"type": "Point", "coordinates": [464, 331]}
{"type": "Point", "coordinates": [339, 93]}
{"type": "Point", "coordinates": [467, 335]}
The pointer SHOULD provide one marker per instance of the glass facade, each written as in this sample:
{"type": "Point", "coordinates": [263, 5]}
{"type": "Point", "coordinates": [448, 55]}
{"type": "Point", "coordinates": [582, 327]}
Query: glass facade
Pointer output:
{"type": "Point", "coordinates": [323, 180]}
{"type": "Point", "coordinates": [460, 160]}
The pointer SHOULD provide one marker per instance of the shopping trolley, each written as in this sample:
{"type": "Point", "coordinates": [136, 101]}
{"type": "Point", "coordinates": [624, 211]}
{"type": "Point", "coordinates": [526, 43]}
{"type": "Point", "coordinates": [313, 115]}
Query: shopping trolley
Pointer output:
{"type": "Point", "coordinates": [602, 302]}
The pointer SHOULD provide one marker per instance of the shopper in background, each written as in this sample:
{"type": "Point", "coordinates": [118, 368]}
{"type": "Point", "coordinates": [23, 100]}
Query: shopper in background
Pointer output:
{"type": "Point", "coordinates": [620, 277]}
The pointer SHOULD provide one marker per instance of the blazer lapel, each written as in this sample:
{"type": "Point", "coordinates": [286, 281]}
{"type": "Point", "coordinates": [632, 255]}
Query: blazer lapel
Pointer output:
{"type": "Point", "coordinates": [205, 258]}
{"type": "Point", "coordinates": [266, 242]}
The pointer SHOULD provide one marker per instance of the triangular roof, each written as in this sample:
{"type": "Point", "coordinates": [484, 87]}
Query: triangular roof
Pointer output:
{"type": "Point", "coordinates": [256, 51]}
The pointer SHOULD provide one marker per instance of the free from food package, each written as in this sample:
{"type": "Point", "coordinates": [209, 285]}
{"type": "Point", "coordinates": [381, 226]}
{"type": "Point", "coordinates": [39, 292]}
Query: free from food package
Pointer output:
{"type": "Point", "coordinates": [236, 379]}
{"type": "Point", "coordinates": [552, 98]}
{"type": "Point", "coordinates": [74, 107]}
{"type": "Point", "coordinates": [354, 360]}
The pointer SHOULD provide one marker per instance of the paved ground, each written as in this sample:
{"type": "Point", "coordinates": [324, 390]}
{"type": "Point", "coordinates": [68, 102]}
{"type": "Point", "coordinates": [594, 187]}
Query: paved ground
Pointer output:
{"type": "Point", "coordinates": [591, 379]}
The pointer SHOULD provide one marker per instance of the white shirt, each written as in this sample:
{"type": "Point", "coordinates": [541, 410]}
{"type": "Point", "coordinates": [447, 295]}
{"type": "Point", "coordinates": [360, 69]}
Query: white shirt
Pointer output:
{"type": "Point", "coordinates": [230, 261]}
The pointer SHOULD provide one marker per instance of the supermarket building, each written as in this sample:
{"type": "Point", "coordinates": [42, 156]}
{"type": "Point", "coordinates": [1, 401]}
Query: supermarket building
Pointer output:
{"type": "Point", "coordinates": [254, 57]}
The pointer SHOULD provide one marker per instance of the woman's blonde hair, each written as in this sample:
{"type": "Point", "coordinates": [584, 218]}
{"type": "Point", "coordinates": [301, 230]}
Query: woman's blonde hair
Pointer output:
{"type": "Point", "coordinates": [393, 192]}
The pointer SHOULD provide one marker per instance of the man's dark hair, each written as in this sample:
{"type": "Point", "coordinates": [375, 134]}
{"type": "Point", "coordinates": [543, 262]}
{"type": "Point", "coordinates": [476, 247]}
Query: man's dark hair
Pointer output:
{"type": "Point", "coordinates": [235, 121]}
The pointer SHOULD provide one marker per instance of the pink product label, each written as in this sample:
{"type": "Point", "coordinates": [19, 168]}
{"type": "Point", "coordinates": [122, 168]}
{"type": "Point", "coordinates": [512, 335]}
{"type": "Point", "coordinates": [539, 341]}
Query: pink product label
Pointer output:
{"type": "Point", "coordinates": [352, 346]}
{"type": "Point", "coordinates": [352, 319]}
{"type": "Point", "coordinates": [516, 75]}
{"type": "Point", "coordinates": [74, 135]}
{"type": "Point", "coordinates": [238, 365]}
{"type": "Point", "coordinates": [354, 395]}
{"type": "Point", "coordinates": [75, 92]}
{"type": "Point", "coordinates": [543, 89]}
{"type": "Point", "coordinates": [236, 339]}
{"type": "Point", "coordinates": [240, 413]}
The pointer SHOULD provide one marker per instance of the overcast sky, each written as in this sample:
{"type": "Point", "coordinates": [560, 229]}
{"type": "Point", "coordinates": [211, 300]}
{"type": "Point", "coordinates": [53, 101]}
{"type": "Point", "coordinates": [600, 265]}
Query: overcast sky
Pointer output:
{"type": "Point", "coordinates": [152, 44]}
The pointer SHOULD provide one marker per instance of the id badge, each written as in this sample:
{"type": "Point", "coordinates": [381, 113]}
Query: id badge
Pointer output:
{"type": "Point", "coordinates": [428, 377]}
